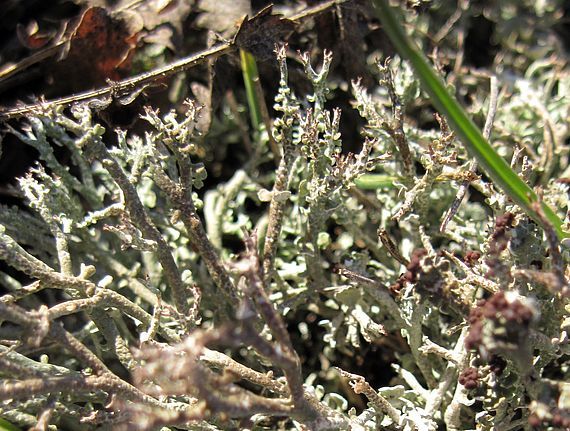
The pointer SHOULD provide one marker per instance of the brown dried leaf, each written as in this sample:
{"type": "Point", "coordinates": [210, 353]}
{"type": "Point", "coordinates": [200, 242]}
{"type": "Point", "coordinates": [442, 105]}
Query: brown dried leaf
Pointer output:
{"type": "Point", "coordinates": [99, 49]}
{"type": "Point", "coordinates": [162, 20]}
{"type": "Point", "coordinates": [31, 37]}
{"type": "Point", "coordinates": [260, 33]}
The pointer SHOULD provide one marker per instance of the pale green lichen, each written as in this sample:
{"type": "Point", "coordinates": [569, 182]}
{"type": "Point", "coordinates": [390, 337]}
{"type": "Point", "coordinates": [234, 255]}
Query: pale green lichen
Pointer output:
{"type": "Point", "coordinates": [160, 312]}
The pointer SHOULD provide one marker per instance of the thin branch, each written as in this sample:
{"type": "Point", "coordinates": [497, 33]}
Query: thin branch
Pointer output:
{"type": "Point", "coordinates": [360, 386]}
{"type": "Point", "coordinates": [379, 292]}
{"type": "Point", "coordinates": [181, 198]}
{"type": "Point", "coordinates": [449, 376]}
{"type": "Point", "coordinates": [395, 127]}
{"type": "Point", "coordinates": [256, 291]}
{"type": "Point", "coordinates": [126, 88]}
{"type": "Point", "coordinates": [391, 247]}
{"type": "Point", "coordinates": [141, 218]}
{"type": "Point", "coordinates": [72, 383]}
{"type": "Point", "coordinates": [228, 365]}
{"type": "Point", "coordinates": [281, 184]}
{"type": "Point", "coordinates": [493, 98]}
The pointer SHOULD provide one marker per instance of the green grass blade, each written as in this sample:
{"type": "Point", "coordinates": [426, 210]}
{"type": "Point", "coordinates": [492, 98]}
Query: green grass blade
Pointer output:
{"type": "Point", "coordinates": [376, 181]}
{"type": "Point", "coordinates": [7, 426]}
{"type": "Point", "coordinates": [250, 74]}
{"type": "Point", "coordinates": [493, 164]}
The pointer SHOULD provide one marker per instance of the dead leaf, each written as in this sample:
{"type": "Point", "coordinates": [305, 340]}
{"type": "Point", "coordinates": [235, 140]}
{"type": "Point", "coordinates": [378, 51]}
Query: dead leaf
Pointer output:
{"type": "Point", "coordinates": [162, 20]}
{"type": "Point", "coordinates": [31, 37]}
{"type": "Point", "coordinates": [99, 49]}
{"type": "Point", "coordinates": [260, 33]}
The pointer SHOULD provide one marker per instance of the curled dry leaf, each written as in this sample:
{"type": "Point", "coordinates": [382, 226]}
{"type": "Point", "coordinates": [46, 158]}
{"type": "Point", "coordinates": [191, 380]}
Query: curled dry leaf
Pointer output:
{"type": "Point", "coordinates": [32, 37]}
{"type": "Point", "coordinates": [161, 20]}
{"type": "Point", "coordinates": [100, 49]}
{"type": "Point", "coordinates": [260, 33]}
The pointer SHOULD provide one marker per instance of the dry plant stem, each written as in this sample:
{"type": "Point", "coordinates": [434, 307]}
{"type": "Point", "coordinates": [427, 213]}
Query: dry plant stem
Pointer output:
{"type": "Point", "coordinates": [23, 389]}
{"type": "Point", "coordinates": [276, 209]}
{"type": "Point", "coordinates": [41, 55]}
{"type": "Point", "coordinates": [558, 266]}
{"type": "Point", "coordinates": [379, 292]}
{"type": "Point", "coordinates": [443, 32]}
{"type": "Point", "coordinates": [381, 405]}
{"type": "Point", "coordinates": [449, 375]}
{"type": "Point", "coordinates": [181, 197]}
{"type": "Point", "coordinates": [316, 10]}
{"type": "Point", "coordinates": [472, 278]}
{"type": "Point", "coordinates": [58, 334]}
{"type": "Point", "coordinates": [11, 69]}
{"type": "Point", "coordinates": [492, 111]}
{"type": "Point", "coordinates": [228, 365]}
{"type": "Point", "coordinates": [256, 290]}
{"type": "Point", "coordinates": [395, 127]}
{"type": "Point", "coordinates": [141, 219]}
{"type": "Point", "coordinates": [391, 247]}
{"type": "Point", "coordinates": [126, 87]}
